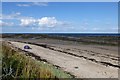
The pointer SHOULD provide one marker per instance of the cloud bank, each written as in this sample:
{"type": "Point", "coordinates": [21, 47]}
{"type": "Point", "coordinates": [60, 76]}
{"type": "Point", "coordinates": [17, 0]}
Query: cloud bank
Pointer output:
{"type": "Point", "coordinates": [6, 23]}
{"type": "Point", "coordinates": [42, 22]}
{"type": "Point", "coordinates": [32, 4]}
{"type": "Point", "coordinates": [25, 21]}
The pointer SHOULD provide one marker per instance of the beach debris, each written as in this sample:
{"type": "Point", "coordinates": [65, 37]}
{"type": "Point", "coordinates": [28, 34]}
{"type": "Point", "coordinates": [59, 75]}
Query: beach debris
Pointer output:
{"type": "Point", "coordinates": [76, 67]}
{"type": "Point", "coordinates": [27, 47]}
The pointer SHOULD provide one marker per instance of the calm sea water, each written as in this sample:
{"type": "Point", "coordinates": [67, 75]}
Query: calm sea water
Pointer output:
{"type": "Point", "coordinates": [82, 34]}
{"type": "Point", "coordinates": [73, 34]}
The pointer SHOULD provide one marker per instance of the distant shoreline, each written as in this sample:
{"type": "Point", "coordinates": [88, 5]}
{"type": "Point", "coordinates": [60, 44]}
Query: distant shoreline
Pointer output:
{"type": "Point", "coordinates": [80, 34]}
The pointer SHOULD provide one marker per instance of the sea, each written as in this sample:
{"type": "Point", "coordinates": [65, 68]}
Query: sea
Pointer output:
{"type": "Point", "coordinates": [82, 34]}
{"type": "Point", "coordinates": [71, 34]}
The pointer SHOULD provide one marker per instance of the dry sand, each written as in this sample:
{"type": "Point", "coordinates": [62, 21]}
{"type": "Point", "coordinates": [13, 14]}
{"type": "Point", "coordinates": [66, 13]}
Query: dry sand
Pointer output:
{"type": "Point", "coordinates": [82, 61]}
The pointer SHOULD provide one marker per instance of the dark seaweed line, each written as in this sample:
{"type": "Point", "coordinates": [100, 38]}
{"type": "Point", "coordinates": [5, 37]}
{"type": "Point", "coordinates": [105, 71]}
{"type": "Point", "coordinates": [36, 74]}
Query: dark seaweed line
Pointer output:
{"type": "Point", "coordinates": [90, 53]}
{"type": "Point", "coordinates": [99, 53]}
{"type": "Point", "coordinates": [93, 60]}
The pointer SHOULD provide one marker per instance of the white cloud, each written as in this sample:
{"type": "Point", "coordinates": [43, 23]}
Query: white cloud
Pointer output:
{"type": "Point", "coordinates": [6, 23]}
{"type": "Point", "coordinates": [42, 22]}
{"type": "Point", "coordinates": [23, 5]}
{"type": "Point", "coordinates": [40, 3]}
{"type": "Point", "coordinates": [18, 13]}
{"type": "Point", "coordinates": [115, 28]}
{"type": "Point", "coordinates": [16, 16]}
{"type": "Point", "coordinates": [27, 22]}
{"type": "Point", "coordinates": [95, 29]}
{"type": "Point", "coordinates": [33, 4]}
{"type": "Point", "coordinates": [48, 22]}
{"type": "Point", "coordinates": [11, 16]}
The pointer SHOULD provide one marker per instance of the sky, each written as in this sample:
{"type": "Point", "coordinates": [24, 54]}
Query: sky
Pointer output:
{"type": "Point", "coordinates": [59, 17]}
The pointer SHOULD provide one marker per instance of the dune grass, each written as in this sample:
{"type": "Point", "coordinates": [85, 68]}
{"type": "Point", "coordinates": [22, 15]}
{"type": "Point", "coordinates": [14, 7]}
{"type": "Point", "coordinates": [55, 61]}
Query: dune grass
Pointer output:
{"type": "Point", "coordinates": [17, 65]}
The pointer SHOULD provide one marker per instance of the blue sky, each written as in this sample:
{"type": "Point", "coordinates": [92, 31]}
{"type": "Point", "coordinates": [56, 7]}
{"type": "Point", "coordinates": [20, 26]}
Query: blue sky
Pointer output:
{"type": "Point", "coordinates": [59, 17]}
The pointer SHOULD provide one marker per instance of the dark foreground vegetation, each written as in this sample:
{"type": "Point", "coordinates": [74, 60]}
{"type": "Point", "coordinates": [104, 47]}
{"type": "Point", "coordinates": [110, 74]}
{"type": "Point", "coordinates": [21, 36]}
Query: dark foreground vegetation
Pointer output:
{"type": "Point", "coordinates": [87, 39]}
{"type": "Point", "coordinates": [16, 64]}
